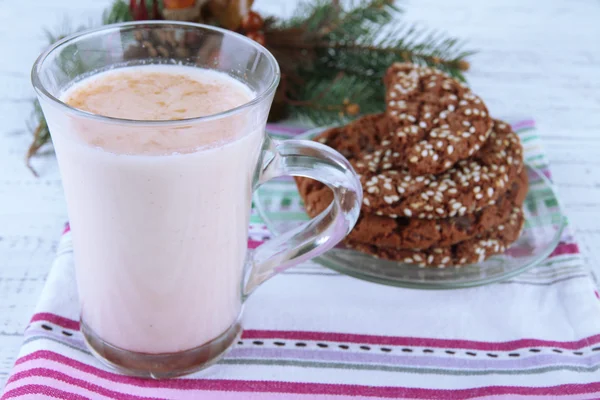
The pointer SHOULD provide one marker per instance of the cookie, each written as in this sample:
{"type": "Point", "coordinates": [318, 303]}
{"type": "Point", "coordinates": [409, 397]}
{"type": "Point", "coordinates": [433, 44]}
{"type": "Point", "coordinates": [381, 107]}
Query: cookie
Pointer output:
{"type": "Point", "coordinates": [469, 186]}
{"type": "Point", "coordinates": [360, 136]}
{"type": "Point", "coordinates": [424, 233]}
{"type": "Point", "coordinates": [470, 251]}
{"type": "Point", "coordinates": [434, 120]}
{"type": "Point", "coordinates": [406, 232]}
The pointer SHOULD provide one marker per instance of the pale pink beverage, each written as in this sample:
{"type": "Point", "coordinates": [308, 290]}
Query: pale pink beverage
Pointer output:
{"type": "Point", "coordinates": [159, 157]}
{"type": "Point", "coordinates": [159, 215]}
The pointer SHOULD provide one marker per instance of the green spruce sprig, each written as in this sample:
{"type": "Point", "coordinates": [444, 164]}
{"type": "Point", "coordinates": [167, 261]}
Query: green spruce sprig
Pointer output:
{"type": "Point", "coordinates": [351, 49]}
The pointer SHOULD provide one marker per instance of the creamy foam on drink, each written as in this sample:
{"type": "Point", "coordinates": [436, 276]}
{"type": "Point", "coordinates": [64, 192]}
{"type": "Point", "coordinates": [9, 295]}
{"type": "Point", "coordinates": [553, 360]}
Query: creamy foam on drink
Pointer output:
{"type": "Point", "coordinates": [159, 213]}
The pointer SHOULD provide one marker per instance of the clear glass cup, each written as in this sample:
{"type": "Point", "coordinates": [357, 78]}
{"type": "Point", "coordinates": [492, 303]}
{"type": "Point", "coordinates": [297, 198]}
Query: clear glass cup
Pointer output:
{"type": "Point", "coordinates": [160, 239]}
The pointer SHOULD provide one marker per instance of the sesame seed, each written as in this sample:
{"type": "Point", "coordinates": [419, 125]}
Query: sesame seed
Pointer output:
{"type": "Point", "coordinates": [413, 159]}
{"type": "Point", "coordinates": [450, 149]}
{"type": "Point", "coordinates": [400, 189]}
{"type": "Point", "coordinates": [477, 189]}
{"type": "Point", "coordinates": [387, 186]}
{"type": "Point", "coordinates": [456, 206]}
{"type": "Point", "coordinates": [422, 124]}
{"type": "Point", "coordinates": [407, 212]}
{"type": "Point", "coordinates": [373, 189]}
{"type": "Point", "coordinates": [451, 107]}
{"type": "Point", "coordinates": [424, 153]}
{"type": "Point", "coordinates": [419, 179]}
{"type": "Point", "coordinates": [439, 210]}
{"type": "Point", "coordinates": [445, 260]}
{"type": "Point", "coordinates": [424, 196]}
{"type": "Point", "coordinates": [490, 192]}
{"type": "Point", "coordinates": [468, 111]}
{"type": "Point", "coordinates": [366, 201]}
{"type": "Point", "coordinates": [417, 257]}
{"type": "Point", "coordinates": [388, 199]}
{"type": "Point", "coordinates": [408, 260]}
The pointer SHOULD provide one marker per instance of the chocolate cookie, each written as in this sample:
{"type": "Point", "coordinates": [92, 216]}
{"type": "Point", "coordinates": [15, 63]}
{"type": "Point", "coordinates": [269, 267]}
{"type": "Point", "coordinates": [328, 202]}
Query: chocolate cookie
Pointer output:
{"type": "Point", "coordinates": [403, 232]}
{"type": "Point", "coordinates": [470, 251]}
{"type": "Point", "coordinates": [417, 233]}
{"type": "Point", "coordinates": [470, 185]}
{"type": "Point", "coordinates": [434, 120]}
{"type": "Point", "coordinates": [360, 136]}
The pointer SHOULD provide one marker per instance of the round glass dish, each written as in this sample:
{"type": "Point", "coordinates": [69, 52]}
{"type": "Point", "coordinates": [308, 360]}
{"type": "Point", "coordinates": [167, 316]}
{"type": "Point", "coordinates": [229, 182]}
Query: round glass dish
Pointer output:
{"type": "Point", "coordinates": [280, 206]}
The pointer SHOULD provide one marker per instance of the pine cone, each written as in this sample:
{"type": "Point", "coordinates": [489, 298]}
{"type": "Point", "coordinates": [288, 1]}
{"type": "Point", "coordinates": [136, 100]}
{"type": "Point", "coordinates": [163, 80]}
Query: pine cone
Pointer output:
{"type": "Point", "coordinates": [157, 43]}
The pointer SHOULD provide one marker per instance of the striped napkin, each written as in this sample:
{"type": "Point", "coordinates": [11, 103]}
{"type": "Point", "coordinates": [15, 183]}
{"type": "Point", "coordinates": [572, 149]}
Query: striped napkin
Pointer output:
{"type": "Point", "coordinates": [312, 333]}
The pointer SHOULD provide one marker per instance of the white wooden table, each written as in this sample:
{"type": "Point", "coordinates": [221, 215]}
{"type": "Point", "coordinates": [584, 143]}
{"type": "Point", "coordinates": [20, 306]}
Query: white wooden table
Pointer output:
{"type": "Point", "coordinates": [537, 58]}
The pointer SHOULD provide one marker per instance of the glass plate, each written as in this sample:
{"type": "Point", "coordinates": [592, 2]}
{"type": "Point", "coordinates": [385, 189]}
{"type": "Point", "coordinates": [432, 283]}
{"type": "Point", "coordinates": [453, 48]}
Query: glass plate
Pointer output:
{"type": "Point", "coordinates": [280, 206]}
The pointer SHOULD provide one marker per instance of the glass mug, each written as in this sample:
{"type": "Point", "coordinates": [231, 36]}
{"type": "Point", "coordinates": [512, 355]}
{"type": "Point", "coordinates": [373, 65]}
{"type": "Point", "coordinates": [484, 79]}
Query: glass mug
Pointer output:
{"type": "Point", "coordinates": [160, 240]}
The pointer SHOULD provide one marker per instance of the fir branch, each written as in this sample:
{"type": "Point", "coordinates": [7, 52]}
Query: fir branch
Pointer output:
{"type": "Point", "coordinates": [118, 12]}
{"type": "Point", "coordinates": [337, 101]}
{"type": "Point", "coordinates": [41, 135]}
{"type": "Point", "coordinates": [371, 54]}
{"type": "Point", "coordinates": [355, 21]}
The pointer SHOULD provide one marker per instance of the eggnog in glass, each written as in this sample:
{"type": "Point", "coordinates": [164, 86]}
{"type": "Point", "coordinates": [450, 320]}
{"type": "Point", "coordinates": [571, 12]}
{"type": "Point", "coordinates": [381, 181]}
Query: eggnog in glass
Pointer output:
{"type": "Point", "coordinates": [159, 158]}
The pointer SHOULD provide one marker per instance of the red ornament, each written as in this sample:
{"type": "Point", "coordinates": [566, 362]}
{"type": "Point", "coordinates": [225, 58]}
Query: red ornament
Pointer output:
{"type": "Point", "coordinates": [258, 37]}
{"type": "Point", "coordinates": [155, 12]}
{"type": "Point", "coordinates": [252, 22]}
{"type": "Point", "coordinates": [139, 12]}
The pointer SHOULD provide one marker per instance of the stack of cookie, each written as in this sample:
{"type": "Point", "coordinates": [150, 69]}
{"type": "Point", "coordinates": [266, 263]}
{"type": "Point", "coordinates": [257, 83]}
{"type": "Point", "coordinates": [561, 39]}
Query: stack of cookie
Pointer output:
{"type": "Point", "coordinates": [443, 182]}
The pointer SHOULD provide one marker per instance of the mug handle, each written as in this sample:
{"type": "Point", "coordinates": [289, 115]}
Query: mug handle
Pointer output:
{"type": "Point", "coordinates": [316, 161]}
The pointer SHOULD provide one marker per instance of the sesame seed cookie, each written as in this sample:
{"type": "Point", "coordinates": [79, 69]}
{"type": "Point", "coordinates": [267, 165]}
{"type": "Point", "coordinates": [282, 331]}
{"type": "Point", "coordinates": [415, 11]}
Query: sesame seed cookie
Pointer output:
{"type": "Point", "coordinates": [469, 186]}
{"type": "Point", "coordinates": [360, 136]}
{"type": "Point", "coordinates": [406, 232]}
{"type": "Point", "coordinates": [477, 249]}
{"type": "Point", "coordinates": [417, 233]}
{"type": "Point", "coordinates": [434, 120]}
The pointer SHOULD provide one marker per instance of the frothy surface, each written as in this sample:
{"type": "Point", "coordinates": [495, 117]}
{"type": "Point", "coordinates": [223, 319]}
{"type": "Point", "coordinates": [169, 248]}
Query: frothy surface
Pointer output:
{"type": "Point", "coordinates": [159, 93]}
{"type": "Point", "coordinates": [155, 93]}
